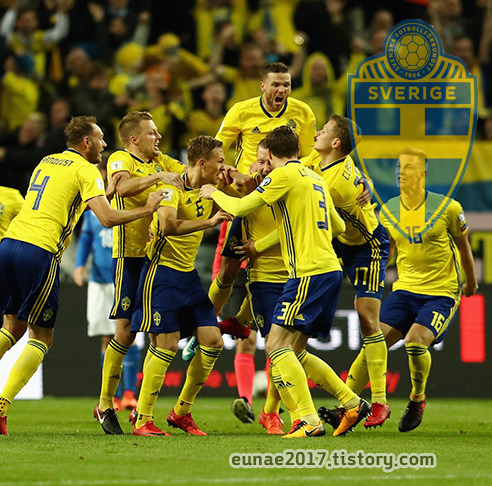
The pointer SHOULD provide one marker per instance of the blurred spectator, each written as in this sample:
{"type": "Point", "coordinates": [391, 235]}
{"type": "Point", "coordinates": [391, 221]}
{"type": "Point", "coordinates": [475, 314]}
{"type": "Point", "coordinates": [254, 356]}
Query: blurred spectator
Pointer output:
{"type": "Point", "coordinates": [127, 65]}
{"type": "Point", "coordinates": [319, 89]}
{"type": "Point", "coordinates": [328, 29]}
{"type": "Point", "coordinates": [20, 29]}
{"type": "Point", "coordinates": [463, 48]}
{"type": "Point", "coordinates": [207, 118]}
{"type": "Point", "coordinates": [168, 112]}
{"type": "Point", "coordinates": [370, 41]}
{"type": "Point", "coordinates": [244, 81]}
{"type": "Point", "coordinates": [451, 22]}
{"type": "Point", "coordinates": [92, 97]}
{"type": "Point", "coordinates": [118, 24]}
{"type": "Point", "coordinates": [59, 115]}
{"type": "Point", "coordinates": [276, 19]}
{"type": "Point", "coordinates": [211, 16]}
{"type": "Point", "coordinates": [78, 66]}
{"type": "Point", "coordinates": [21, 152]}
{"type": "Point", "coordinates": [19, 92]}
{"type": "Point", "coordinates": [183, 66]}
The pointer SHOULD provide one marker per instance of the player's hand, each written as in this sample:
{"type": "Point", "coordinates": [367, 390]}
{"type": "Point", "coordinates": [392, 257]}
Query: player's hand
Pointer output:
{"type": "Point", "coordinates": [172, 178]}
{"type": "Point", "coordinates": [364, 197]}
{"type": "Point", "coordinates": [219, 217]}
{"type": "Point", "coordinates": [80, 276]}
{"type": "Point", "coordinates": [206, 191]}
{"type": "Point", "coordinates": [155, 199]}
{"type": "Point", "coordinates": [469, 289]}
{"type": "Point", "coordinates": [227, 174]}
{"type": "Point", "coordinates": [111, 185]}
{"type": "Point", "coordinates": [246, 250]}
{"type": "Point", "coordinates": [244, 183]}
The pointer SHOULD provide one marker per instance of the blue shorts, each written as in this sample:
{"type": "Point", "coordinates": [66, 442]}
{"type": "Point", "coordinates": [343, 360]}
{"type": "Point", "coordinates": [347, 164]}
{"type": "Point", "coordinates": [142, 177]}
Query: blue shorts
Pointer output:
{"type": "Point", "coordinates": [309, 303]}
{"type": "Point", "coordinates": [169, 300]}
{"type": "Point", "coordinates": [232, 238]}
{"type": "Point", "coordinates": [365, 265]}
{"type": "Point", "coordinates": [126, 275]}
{"type": "Point", "coordinates": [264, 297]}
{"type": "Point", "coordinates": [29, 282]}
{"type": "Point", "coordinates": [402, 309]}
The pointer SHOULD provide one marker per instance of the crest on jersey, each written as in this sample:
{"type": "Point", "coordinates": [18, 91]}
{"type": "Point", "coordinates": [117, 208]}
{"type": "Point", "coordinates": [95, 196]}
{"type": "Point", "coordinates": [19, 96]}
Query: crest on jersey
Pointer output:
{"type": "Point", "coordinates": [412, 96]}
{"type": "Point", "coordinates": [157, 318]}
{"type": "Point", "coordinates": [47, 314]}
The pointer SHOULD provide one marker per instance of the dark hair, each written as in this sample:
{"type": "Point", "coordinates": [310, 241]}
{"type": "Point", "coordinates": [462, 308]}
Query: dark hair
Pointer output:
{"type": "Point", "coordinates": [283, 142]}
{"type": "Point", "coordinates": [130, 124]}
{"type": "Point", "coordinates": [273, 67]}
{"type": "Point", "coordinates": [342, 132]}
{"type": "Point", "coordinates": [78, 128]}
{"type": "Point", "coordinates": [201, 147]}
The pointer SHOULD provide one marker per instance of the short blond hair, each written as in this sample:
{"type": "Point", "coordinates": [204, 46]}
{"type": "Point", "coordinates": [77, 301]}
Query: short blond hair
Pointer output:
{"type": "Point", "coordinates": [130, 124]}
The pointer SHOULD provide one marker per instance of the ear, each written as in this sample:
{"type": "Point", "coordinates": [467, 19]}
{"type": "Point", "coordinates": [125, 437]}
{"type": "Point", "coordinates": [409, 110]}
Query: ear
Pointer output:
{"type": "Point", "coordinates": [270, 156]}
{"type": "Point", "coordinates": [298, 152]}
{"type": "Point", "coordinates": [337, 143]}
{"type": "Point", "coordinates": [134, 139]}
{"type": "Point", "coordinates": [86, 141]}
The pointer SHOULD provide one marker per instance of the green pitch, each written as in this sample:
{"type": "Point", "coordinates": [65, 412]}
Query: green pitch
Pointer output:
{"type": "Point", "coordinates": [56, 441]}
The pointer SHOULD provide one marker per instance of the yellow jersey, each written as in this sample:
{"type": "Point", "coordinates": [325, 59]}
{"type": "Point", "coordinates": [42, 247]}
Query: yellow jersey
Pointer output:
{"type": "Point", "coordinates": [269, 266]}
{"type": "Point", "coordinates": [179, 252]}
{"type": "Point", "coordinates": [342, 178]}
{"type": "Point", "coordinates": [248, 122]}
{"type": "Point", "coordinates": [10, 204]}
{"type": "Point", "coordinates": [59, 189]}
{"type": "Point", "coordinates": [301, 203]}
{"type": "Point", "coordinates": [129, 240]}
{"type": "Point", "coordinates": [430, 264]}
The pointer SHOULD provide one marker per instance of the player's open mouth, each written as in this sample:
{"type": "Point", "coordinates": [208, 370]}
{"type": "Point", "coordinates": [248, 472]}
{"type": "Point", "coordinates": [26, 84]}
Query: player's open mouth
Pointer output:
{"type": "Point", "coordinates": [279, 99]}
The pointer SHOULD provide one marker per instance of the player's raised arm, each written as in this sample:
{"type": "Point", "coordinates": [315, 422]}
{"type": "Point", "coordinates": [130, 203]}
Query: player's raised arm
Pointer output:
{"type": "Point", "coordinates": [233, 205]}
{"type": "Point", "coordinates": [170, 225]}
{"type": "Point", "coordinates": [110, 217]}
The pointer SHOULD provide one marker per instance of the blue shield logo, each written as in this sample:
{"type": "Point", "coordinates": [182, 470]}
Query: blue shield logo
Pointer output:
{"type": "Point", "coordinates": [416, 108]}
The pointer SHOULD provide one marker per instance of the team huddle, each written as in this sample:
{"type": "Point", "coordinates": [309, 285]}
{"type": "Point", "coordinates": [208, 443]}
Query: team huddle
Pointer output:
{"type": "Point", "coordinates": [303, 219]}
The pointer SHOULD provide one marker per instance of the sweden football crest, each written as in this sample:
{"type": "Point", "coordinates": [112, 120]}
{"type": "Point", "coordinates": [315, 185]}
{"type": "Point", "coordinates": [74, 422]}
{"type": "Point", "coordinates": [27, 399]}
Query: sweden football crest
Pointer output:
{"type": "Point", "coordinates": [413, 98]}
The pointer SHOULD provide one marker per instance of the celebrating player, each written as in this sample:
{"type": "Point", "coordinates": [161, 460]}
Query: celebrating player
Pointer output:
{"type": "Point", "coordinates": [306, 221]}
{"type": "Point", "coordinates": [172, 302]}
{"type": "Point", "coordinates": [61, 187]}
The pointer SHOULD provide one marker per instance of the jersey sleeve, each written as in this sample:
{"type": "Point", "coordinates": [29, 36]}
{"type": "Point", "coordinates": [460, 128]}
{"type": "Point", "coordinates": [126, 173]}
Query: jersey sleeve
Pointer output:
{"type": "Point", "coordinates": [90, 183]}
{"type": "Point", "coordinates": [456, 219]}
{"type": "Point", "coordinates": [169, 164]}
{"type": "Point", "coordinates": [117, 163]}
{"type": "Point", "coordinates": [172, 197]}
{"type": "Point", "coordinates": [273, 187]}
{"type": "Point", "coordinates": [307, 133]}
{"type": "Point", "coordinates": [229, 130]}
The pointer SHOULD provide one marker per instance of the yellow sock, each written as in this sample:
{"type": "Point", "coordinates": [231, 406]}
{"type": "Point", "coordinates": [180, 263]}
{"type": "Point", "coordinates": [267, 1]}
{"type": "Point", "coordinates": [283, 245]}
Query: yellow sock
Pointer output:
{"type": "Point", "coordinates": [111, 373]}
{"type": "Point", "coordinates": [148, 355]}
{"type": "Point", "coordinates": [245, 314]}
{"type": "Point", "coordinates": [272, 402]}
{"type": "Point", "coordinates": [377, 363]}
{"type": "Point", "coordinates": [293, 377]}
{"type": "Point", "coordinates": [157, 361]}
{"type": "Point", "coordinates": [419, 362]}
{"type": "Point", "coordinates": [198, 371]}
{"type": "Point", "coordinates": [286, 397]}
{"type": "Point", "coordinates": [323, 375]}
{"type": "Point", "coordinates": [6, 341]}
{"type": "Point", "coordinates": [219, 294]}
{"type": "Point", "coordinates": [358, 376]}
{"type": "Point", "coordinates": [25, 366]}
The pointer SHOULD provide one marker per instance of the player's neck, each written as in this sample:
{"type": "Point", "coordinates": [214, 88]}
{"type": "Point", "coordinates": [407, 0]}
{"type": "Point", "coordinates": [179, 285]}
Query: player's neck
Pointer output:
{"type": "Point", "coordinates": [329, 158]}
{"type": "Point", "coordinates": [193, 178]}
{"type": "Point", "coordinates": [412, 197]}
{"type": "Point", "coordinates": [134, 151]}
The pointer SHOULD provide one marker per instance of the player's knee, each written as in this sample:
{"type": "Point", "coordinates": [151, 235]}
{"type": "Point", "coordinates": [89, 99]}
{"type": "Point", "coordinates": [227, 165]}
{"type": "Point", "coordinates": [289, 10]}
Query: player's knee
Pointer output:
{"type": "Point", "coordinates": [245, 346]}
{"type": "Point", "coordinates": [228, 270]}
